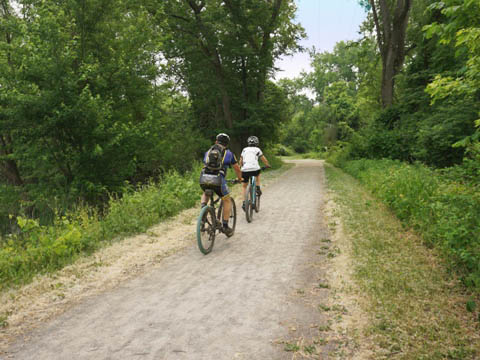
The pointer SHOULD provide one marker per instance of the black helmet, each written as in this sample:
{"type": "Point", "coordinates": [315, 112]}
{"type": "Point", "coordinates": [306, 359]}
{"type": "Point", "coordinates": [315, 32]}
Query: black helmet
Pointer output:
{"type": "Point", "coordinates": [253, 141]}
{"type": "Point", "coordinates": [223, 139]}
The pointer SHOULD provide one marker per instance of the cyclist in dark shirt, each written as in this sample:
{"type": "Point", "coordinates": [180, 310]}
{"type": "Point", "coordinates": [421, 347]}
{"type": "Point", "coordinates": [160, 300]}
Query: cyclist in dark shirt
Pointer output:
{"type": "Point", "coordinates": [229, 160]}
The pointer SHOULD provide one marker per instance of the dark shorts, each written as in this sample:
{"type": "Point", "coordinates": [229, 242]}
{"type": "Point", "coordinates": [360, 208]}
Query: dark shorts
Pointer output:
{"type": "Point", "coordinates": [246, 175]}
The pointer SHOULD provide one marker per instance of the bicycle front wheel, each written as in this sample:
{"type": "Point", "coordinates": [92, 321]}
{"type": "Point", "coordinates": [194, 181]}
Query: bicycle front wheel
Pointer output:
{"type": "Point", "coordinates": [206, 227]}
{"type": "Point", "coordinates": [249, 204]}
{"type": "Point", "coordinates": [232, 220]}
{"type": "Point", "coordinates": [257, 203]}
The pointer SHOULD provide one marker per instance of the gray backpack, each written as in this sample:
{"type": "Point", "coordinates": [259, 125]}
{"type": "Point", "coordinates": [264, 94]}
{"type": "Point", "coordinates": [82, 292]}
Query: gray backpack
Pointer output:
{"type": "Point", "coordinates": [214, 159]}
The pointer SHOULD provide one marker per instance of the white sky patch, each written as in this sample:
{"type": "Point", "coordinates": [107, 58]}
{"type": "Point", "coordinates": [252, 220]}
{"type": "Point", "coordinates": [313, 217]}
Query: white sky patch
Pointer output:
{"type": "Point", "coordinates": [326, 22]}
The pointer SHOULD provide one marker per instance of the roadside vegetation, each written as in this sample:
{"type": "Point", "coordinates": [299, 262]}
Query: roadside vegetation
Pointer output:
{"type": "Point", "coordinates": [417, 308]}
{"type": "Point", "coordinates": [106, 107]}
{"type": "Point", "coordinates": [411, 133]}
{"type": "Point", "coordinates": [444, 211]}
{"type": "Point", "coordinates": [39, 248]}
{"type": "Point", "coordinates": [36, 248]}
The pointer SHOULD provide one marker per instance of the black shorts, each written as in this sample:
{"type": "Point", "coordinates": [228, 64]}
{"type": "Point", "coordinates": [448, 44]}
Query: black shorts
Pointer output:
{"type": "Point", "coordinates": [246, 175]}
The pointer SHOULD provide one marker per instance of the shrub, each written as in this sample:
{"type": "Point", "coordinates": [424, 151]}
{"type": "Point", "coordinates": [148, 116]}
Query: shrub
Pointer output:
{"type": "Point", "coordinates": [282, 150]}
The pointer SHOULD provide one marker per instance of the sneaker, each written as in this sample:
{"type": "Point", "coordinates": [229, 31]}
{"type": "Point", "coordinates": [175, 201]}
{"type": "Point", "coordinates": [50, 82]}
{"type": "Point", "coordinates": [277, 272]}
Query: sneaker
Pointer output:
{"type": "Point", "coordinates": [259, 192]}
{"type": "Point", "coordinates": [243, 206]}
{"type": "Point", "coordinates": [227, 231]}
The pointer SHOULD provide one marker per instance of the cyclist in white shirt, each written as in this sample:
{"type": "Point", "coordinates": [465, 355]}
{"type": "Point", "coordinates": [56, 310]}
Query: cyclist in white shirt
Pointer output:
{"type": "Point", "coordinates": [250, 166]}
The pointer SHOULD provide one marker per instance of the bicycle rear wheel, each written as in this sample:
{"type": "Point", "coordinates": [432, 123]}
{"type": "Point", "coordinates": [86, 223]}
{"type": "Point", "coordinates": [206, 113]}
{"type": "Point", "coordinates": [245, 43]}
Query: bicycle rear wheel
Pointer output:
{"type": "Point", "coordinates": [232, 220]}
{"type": "Point", "coordinates": [206, 228]}
{"type": "Point", "coordinates": [249, 204]}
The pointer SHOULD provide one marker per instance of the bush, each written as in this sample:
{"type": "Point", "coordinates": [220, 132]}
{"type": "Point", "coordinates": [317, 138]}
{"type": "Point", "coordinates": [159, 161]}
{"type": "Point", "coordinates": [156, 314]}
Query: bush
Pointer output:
{"type": "Point", "coordinates": [339, 154]}
{"type": "Point", "coordinates": [9, 204]}
{"type": "Point", "coordinates": [282, 150]}
{"type": "Point", "coordinates": [275, 161]}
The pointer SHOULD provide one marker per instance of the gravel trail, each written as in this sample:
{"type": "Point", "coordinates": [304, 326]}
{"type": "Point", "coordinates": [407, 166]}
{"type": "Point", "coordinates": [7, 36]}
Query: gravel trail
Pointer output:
{"type": "Point", "coordinates": [251, 298]}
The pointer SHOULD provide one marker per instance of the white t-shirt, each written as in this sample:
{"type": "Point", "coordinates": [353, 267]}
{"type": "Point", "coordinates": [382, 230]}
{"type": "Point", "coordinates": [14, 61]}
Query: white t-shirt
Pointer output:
{"type": "Point", "coordinates": [250, 157]}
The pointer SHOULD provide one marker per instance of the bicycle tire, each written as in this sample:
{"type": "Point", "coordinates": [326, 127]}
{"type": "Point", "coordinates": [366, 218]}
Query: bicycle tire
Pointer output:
{"type": "Point", "coordinates": [257, 203]}
{"type": "Point", "coordinates": [232, 220]}
{"type": "Point", "coordinates": [249, 204]}
{"type": "Point", "coordinates": [206, 229]}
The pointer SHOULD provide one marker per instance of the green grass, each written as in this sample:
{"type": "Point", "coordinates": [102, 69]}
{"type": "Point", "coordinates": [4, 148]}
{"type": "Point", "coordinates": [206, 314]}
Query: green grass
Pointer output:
{"type": "Point", "coordinates": [291, 347]}
{"type": "Point", "coordinates": [39, 249]}
{"type": "Point", "coordinates": [446, 213]}
{"type": "Point", "coordinates": [416, 308]}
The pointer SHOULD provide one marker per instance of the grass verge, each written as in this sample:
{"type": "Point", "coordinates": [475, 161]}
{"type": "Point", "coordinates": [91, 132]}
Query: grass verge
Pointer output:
{"type": "Point", "coordinates": [417, 310]}
{"type": "Point", "coordinates": [445, 212]}
{"type": "Point", "coordinates": [42, 249]}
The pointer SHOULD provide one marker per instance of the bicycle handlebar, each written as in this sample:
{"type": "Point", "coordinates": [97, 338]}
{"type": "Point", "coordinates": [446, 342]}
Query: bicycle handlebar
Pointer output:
{"type": "Point", "coordinates": [236, 181]}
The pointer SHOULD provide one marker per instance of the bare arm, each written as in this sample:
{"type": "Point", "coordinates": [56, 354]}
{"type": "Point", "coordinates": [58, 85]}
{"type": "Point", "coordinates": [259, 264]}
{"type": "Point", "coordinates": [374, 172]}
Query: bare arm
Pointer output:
{"type": "Point", "coordinates": [265, 161]}
{"type": "Point", "coordinates": [237, 170]}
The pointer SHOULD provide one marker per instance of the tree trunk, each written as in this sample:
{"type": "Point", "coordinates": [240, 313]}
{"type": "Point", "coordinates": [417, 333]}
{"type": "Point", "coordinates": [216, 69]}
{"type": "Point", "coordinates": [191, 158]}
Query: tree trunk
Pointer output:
{"type": "Point", "coordinates": [245, 88]}
{"type": "Point", "coordinates": [391, 27]}
{"type": "Point", "coordinates": [9, 167]}
{"type": "Point", "coordinates": [227, 112]}
{"type": "Point", "coordinates": [388, 79]}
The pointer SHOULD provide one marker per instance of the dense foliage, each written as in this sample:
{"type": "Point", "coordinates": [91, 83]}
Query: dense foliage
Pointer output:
{"type": "Point", "coordinates": [434, 113]}
{"type": "Point", "coordinates": [431, 120]}
{"type": "Point", "coordinates": [100, 95]}
{"type": "Point", "coordinates": [225, 51]}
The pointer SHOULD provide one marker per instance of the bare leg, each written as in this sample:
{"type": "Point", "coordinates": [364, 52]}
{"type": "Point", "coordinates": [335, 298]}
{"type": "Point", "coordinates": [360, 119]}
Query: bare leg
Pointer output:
{"type": "Point", "coordinates": [205, 199]}
{"type": "Point", "coordinates": [244, 185]}
{"type": "Point", "coordinates": [227, 207]}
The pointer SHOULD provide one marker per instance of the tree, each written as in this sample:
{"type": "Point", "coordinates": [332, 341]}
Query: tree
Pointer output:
{"type": "Point", "coordinates": [9, 170]}
{"type": "Point", "coordinates": [223, 52]}
{"type": "Point", "coordinates": [329, 67]}
{"type": "Point", "coordinates": [81, 104]}
{"type": "Point", "coordinates": [462, 29]}
{"type": "Point", "coordinates": [390, 19]}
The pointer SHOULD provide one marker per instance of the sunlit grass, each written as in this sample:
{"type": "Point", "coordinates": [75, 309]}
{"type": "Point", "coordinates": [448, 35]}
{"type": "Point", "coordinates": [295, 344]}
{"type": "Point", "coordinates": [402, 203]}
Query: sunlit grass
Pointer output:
{"type": "Point", "coordinates": [417, 310]}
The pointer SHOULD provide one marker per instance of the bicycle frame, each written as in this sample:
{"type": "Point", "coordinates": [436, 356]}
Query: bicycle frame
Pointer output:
{"type": "Point", "coordinates": [253, 189]}
{"type": "Point", "coordinates": [211, 202]}
{"type": "Point", "coordinates": [210, 220]}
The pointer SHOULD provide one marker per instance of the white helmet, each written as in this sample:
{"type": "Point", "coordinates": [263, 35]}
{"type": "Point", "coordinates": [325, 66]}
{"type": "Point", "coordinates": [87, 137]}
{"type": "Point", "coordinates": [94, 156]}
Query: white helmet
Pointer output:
{"type": "Point", "coordinates": [253, 141]}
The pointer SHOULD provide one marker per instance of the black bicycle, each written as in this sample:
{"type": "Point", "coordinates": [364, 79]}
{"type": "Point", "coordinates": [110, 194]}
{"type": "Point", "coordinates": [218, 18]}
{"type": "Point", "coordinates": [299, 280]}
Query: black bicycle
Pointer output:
{"type": "Point", "coordinates": [252, 201]}
{"type": "Point", "coordinates": [209, 221]}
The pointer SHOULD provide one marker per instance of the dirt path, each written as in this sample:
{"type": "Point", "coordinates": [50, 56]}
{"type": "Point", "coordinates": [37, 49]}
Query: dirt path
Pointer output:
{"type": "Point", "coordinates": [261, 294]}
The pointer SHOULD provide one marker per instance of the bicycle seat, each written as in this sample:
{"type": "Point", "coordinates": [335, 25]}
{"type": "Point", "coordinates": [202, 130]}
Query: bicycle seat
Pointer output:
{"type": "Point", "coordinates": [209, 192]}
